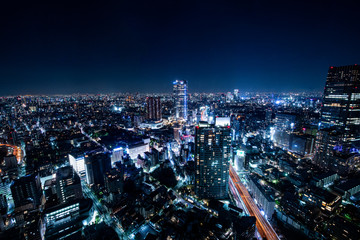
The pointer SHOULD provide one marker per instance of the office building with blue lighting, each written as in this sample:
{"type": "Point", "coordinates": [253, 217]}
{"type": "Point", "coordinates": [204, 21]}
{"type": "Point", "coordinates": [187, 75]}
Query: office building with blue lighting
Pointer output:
{"type": "Point", "coordinates": [180, 99]}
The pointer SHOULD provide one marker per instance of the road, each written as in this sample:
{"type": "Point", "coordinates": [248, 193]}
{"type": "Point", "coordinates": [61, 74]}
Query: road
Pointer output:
{"type": "Point", "coordinates": [264, 228]}
{"type": "Point", "coordinates": [237, 197]}
{"type": "Point", "coordinates": [102, 211]}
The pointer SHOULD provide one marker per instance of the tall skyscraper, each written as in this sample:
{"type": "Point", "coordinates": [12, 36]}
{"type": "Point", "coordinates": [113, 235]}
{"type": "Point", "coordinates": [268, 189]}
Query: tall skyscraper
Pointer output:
{"type": "Point", "coordinates": [229, 97]}
{"type": "Point", "coordinates": [236, 94]}
{"type": "Point", "coordinates": [340, 119]}
{"type": "Point", "coordinates": [68, 184]}
{"type": "Point", "coordinates": [212, 157]}
{"type": "Point", "coordinates": [26, 188]}
{"type": "Point", "coordinates": [180, 99]}
{"type": "Point", "coordinates": [341, 102]}
{"type": "Point", "coordinates": [153, 108]}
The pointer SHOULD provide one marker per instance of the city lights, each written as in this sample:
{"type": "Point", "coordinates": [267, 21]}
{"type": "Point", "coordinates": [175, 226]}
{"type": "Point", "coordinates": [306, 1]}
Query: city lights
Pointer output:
{"type": "Point", "coordinates": [180, 120]}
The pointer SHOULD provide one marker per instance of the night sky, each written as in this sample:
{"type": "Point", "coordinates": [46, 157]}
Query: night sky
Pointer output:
{"type": "Point", "coordinates": [57, 47]}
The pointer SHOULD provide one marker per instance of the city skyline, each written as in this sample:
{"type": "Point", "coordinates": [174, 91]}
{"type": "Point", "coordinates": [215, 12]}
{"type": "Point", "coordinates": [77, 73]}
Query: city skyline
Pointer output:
{"type": "Point", "coordinates": [228, 120]}
{"type": "Point", "coordinates": [140, 47]}
{"type": "Point", "coordinates": [133, 166]}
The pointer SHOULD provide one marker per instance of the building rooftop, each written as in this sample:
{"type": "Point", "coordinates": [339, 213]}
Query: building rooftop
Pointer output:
{"type": "Point", "coordinates": [349, 184]}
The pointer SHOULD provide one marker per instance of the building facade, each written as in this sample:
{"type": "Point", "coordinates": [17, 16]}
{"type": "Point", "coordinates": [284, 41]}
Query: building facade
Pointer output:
{"type": "Point", "coordinates": [26, 188]}
{"type": "Point", "coordinates": [340, 119]}
{"type": "Point", "coordinates": [153, 108]}
{"type": "Point", "coordinates": [68, 184]}
{"type": "Point", "coordinates": [77, 161]}
{"type": "Point", "coordinates": [212, 157]}
{"type": "Point", "coordinates": [96, 166]}
{"type": "Point", "coordinates": [341, 102]}
{"type": "Point", "coordinates": [180, 99]}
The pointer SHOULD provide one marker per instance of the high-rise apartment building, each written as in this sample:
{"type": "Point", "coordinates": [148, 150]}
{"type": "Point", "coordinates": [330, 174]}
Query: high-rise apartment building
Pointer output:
{"type": "Point", "coordinates": [68, 184]}
{"type": "Point", "coordinates": [180, 99]}
{"type": "Point", "coordinates": [153, 108]}
{"type": "Point", "coordinates": [212, 157]}
{"type": "Point", "coordinates": [341, 102]}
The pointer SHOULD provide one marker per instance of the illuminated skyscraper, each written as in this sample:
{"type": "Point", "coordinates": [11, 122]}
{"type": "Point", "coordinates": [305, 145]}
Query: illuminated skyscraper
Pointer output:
{"type": "Point", "coordinates": [229, 97]}
{"type": "Point", "coordinates": [180, 99]}
{"type": "Point", "coordinates": [236, 94]}
{"type": "Point", "coordinates": [340, 120]}
{"type": "Point", "coordinates": [341, 103]}
{"type": "Point", "coordinates": [212, 157]}
{"type": "Point", "coordinates": [153, 108]}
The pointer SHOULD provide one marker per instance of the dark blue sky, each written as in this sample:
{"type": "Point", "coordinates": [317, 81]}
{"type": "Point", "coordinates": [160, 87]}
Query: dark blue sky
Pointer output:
{"type": "Point", "coordinates": [142, 46]}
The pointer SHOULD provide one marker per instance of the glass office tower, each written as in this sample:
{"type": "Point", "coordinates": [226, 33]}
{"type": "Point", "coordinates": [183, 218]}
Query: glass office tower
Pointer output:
{"type": "Point", "coordinates": [180, 99]}
{"type": "Point", "coordinates": [341, 102]}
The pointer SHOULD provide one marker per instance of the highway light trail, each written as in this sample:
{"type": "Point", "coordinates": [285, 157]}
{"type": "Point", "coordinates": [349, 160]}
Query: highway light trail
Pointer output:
{"type": "Point", "coordinates": [264, 228]}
